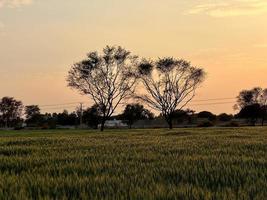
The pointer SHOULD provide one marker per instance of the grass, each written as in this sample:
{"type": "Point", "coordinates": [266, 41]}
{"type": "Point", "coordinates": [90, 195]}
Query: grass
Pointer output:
{"type": "Point", "coordinates": [134, 164]}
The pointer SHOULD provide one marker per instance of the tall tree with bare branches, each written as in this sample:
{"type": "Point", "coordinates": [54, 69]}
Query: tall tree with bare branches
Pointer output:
{"type": "Point", "coordinates": [169, 83]}
{"type": "Point", "coordinates": [108, 78]}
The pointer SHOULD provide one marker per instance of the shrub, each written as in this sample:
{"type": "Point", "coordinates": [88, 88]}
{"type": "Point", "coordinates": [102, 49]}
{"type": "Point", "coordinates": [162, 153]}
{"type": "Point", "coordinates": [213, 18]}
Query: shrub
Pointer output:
{"type": "Point", "coordinates": [206, 124]}
{"type": "Point", "coordinates": [232, 124]}
{"type": "Point", "coordinates": [225, 117]}
{"type": "Point", "coordinates": [17, 128]}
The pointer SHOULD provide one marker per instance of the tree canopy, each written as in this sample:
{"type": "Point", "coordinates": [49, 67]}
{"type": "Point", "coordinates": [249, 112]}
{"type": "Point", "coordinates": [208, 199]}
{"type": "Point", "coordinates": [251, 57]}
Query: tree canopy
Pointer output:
{"type": "Point", "coordinates": [108, 78]}
{"type": "Point", "coordinates": [135, 112]}
{"type": "Point", "coordinates": [252, 104]}
{"type": "Point", "coordinates": [10, 111]}
{"type": "Point", "coordinates": [169, 83]}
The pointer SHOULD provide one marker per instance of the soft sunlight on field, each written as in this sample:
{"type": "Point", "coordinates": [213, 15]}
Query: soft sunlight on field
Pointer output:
{"type": "Point", "coordinates": [137, 164]}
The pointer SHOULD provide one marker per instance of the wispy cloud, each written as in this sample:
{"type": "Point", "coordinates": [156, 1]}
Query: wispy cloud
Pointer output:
{"type": "Point", "coordinates": [2, 28]}
{"type": "Point", "coordinates": [14, 3]}
{"type": "Point", "coordinates": [11, 4]}
{"type": "Point", "coordinates": [228, 8]}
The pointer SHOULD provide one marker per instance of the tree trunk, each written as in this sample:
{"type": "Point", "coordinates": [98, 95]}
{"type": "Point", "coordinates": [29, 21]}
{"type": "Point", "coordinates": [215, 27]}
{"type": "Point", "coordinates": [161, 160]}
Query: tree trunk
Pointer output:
{"type": "Point", "coordinates": [170, 123]}
{"type": "Point", "coordinates": [102, 125]}
{"type": "Point", "coordinates": [168, 119]}
{"type": "Point", "coordinates": [264, 114]}
{"type": "Point", "coordinates": [6, 124]}
{"type": "Point", "coordinates": [253, 122]}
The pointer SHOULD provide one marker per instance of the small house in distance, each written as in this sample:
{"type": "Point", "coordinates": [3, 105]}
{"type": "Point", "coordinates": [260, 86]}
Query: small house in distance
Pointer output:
{"type": "Point", "coordinates": [115, 124]}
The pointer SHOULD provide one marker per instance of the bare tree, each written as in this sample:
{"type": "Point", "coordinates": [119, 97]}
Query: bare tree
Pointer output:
{"type": "Point", "coordinates": [108, 78]}
{"type": "Point", "coordinates": [170, 85]}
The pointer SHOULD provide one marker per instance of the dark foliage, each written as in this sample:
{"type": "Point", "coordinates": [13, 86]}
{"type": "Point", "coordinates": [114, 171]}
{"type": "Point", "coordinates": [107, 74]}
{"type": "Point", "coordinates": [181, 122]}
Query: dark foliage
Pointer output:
{"type": "Point", "coordinates": [66, 119]}
{"type": "Point", "coordinates": [232, 124]}
{"type": "Point", "coordinates": [135, 112]}
{"type": "Point", "coordinates": [10, 112]}
{"type": "Point", "coordinates": [252, 104]}
{"type": "Point", "coordinates": [251, 112]}
{"type": "Point", "coordinates": [207, 115]}
{"type": "Point", "coordinates": [92, 116]}
{"type": "Point", "coordinates": [225, 117]}
{"type": "Point", "coordinates": [206, 124]}
{"type": "Point", "coordinates": [181, 116]}
{"type": "Point", "coordinates": [145, 68]}
{"type": "Point", "coordinates": [33, 116]}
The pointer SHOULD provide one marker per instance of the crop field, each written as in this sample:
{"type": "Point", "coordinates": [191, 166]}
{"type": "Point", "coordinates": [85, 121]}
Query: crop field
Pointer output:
{"type": "Point", "coordinates": [215, 163]}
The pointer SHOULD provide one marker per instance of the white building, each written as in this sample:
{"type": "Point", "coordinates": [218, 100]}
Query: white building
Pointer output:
{"type": "Point", "coordinates": [115, 124]}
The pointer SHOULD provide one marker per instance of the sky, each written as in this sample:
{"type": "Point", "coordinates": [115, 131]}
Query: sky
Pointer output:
{"type": "Point", "coordinates": [41, 39]}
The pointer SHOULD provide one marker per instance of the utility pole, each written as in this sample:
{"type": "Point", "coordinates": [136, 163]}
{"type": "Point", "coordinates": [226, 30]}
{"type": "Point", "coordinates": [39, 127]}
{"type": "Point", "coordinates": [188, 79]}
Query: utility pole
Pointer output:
{"type": "Point", "coordinates": [81, 114]}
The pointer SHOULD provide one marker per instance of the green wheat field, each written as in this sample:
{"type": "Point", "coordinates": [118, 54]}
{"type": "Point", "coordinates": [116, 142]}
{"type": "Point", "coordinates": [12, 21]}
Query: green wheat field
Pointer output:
{"type": "Point", "coordinates": [215, 163]}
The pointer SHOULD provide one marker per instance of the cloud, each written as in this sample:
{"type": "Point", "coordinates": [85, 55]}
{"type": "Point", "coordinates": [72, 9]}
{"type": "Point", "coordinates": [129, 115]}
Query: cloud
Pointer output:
{"type": "Point", "coordinates": [11, 4]}
{"type": "Point", "coordinates": [14, 3]}
{"type": "Point", "coordinates": [228, 8]}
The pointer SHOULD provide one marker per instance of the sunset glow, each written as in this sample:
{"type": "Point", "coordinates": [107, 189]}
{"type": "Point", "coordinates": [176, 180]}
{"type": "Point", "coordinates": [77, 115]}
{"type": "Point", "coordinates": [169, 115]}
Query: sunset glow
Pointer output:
{"type": "Point", "coordinates": [40, 40]}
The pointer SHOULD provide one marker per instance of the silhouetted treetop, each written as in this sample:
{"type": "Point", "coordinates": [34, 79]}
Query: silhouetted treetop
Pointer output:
{"type": "Point", "coordinates": [145, 68]}
{"type": "Point", "coordinates": [31, 111]}
{"type": "Point", "coordinates": [249, 97]}
{"type": "Point", "coordinates": [252, 104]}
{"type": "Point", "coordinates": [166, 64]}
{"type": "Point", "coordinates": [10, 111]}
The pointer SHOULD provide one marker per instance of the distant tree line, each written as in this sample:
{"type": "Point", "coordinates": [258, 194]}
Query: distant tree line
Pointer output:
{"type": "Point", "coordinates": [13, 114]}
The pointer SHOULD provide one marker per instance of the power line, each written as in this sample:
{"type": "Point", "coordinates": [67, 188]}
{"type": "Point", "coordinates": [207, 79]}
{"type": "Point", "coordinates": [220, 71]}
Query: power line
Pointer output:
{"type": "Point", "coordinates": [207, 104]}
{"type": "Point", "coordinates": [57, 108]}
{"type": "Point", "coordinates": [62, 104]}
{"type": "Point", "coordinates": [217, 99]}
{"type": "Point", "coordinates": [72, 103]}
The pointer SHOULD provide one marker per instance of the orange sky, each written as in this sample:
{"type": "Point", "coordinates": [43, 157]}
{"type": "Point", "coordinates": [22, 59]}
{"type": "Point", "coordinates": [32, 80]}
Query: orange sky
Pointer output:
{"type": "Point", "coordinates": [39, 40]}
